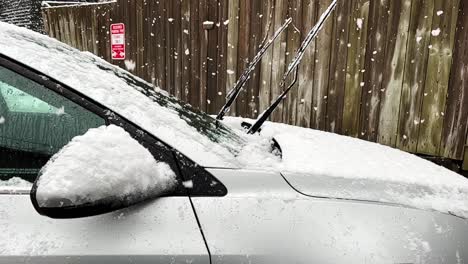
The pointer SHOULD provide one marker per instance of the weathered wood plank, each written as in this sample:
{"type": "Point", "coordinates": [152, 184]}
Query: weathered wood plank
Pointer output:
{"type": "Point", "coordinates": [355, 66]}
{"type": "Point", "coordinates": [374, 66]}
{"type": "Point", "coordinates": [149, 41]}
{"type": "Point", "coordinates": [195, 36]}
{"type": "Point", "coordinates": [94, 40]}
{"type": "Point", "coordinates": [243, 53]}
{"type": "Point", "coordinates": [169, 46]}
{"type": "Point", "coordinates": [212, 60]}
{"type": "Point", "coordinates": [178, 53]}
{"type": "Point", "coordinates": [232, 40]}
{"type": "Point", "coordinates": [139, 43]}
{"type": "Point", "coordinates": [268, 29]}
{"type": "Point", "coordinates": [160, 45]}
{"type": "Point", "coordinates": [397, 41]}
{"type": "Point", "coordinates": [46, 19]}
{"type": "Point", "coordinates": [307, 67]}
{"type": "Point", "coordinates": [456, 113]}
{"type": "Point", "coordinates": [103, 33]}
{"type": "Point", "coordinates": [338, 60]}
{"type": "Point", "coordinates": [222, 51]}
{"type": "Point", "coordinates": [279, 57]}
{"type": "Point", "coordinates": [186, 49]}
{"type": "Point", "coordinates": [437, 77]}
{"type": "Point", "coordinates": [203, 13]}
{"type": "Point", "coordinates": [415, 74]}
{"type": "Point", "coordinates": [322, 70]}
{"type": "Point", "coordinates": [292, 45]}
{"type": "Point", "coordinates": [252, 87]}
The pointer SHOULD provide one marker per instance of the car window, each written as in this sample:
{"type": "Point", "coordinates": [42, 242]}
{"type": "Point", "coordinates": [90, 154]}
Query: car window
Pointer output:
{"type": "Point", "coordinates": [35, 123]}
{"type": "Point", "coordinates": [19, 101]}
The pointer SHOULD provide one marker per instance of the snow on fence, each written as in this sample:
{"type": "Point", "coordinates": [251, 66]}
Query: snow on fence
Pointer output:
{"type": "Point", "coordinates": [390, 71]}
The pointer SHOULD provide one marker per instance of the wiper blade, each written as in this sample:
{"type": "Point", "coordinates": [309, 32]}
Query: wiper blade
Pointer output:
{"type": "Point", "coordinates": [293, 66]}
{"type": "Point", "coordinates": [234, 93]}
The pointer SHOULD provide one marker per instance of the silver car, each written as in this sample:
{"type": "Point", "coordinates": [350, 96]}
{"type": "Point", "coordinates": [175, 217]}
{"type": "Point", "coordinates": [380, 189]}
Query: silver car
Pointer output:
{"type": "Point", "coordinates": [218, 210]}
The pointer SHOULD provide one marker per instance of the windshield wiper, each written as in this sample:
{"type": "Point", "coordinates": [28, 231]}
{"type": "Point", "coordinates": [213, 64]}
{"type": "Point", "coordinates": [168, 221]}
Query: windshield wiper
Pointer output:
{"type": "Point", "coordinates": [293, 66]}
{"type": "Point", "coordinates": [234, 93]}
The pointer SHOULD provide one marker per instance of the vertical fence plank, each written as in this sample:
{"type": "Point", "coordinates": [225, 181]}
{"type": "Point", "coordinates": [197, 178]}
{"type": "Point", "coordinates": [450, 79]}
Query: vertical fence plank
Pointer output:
{"type": "Point", "coordinates": [160, 45]}
{"type": "Point", "coordinates": [186, 50]}
{"type": "Point", "coordinates": [322, 70]}
{"type": "Point", "coordinates": [338, 59]}
{"type": "Point", "coordinates": [203, 13]}
{"type": "Point", "coordinates": [415, 74]}
{"type": "Point", "coordinates": [140, 48]}
{"type": "Point", "coordinates": [195, 34]}
{"type": "Point", "coordinates": [279, 57]}
{"type": "Point", "coordinates": [221, 71]}
{"type": "Point", "coordinates": [243, 53]}
{"type": "Point", "coordinates": [103, 33]}
{"type": "Point", "coordinates": [456, 113]}
{"type": "Point", "coordinates": [212, 59]}
{"type": "Point", "coordinates": [268, 29]}
{"type": "Point", "coordinates": [177, 50]}
{"type": "Point", "coordinates": [169, 46]}
{"type": "Point", "coordinates": [398, 27]}
{"type": "Point", "coordinates": [292, 45]}
{"type": "Point", "coordinates": [94, 41]}
{"type": "Point", "coordinates": [252, 89]}
{"type": "Point", "coordinates": [355, 66]}
{"type": "Point", "coordinates": [374, 66]}
{"type": "Point", "coordinates": [149, 41]}
{"type": "Point", "coordinates": [437, 77]}
{"type": "Point", "coordinates": [307, 67]}
{"type": "Point", "coordinates": [232, 40]}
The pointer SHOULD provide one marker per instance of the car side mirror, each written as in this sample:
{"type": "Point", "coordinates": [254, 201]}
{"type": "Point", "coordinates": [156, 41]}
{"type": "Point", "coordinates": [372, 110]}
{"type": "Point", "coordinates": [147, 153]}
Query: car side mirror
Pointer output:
{"type": "Point", "coordinates": [101, 171]}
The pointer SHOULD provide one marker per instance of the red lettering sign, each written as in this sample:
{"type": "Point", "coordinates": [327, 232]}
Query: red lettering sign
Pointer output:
{"type": "Point", "coordinates": [118, 41]}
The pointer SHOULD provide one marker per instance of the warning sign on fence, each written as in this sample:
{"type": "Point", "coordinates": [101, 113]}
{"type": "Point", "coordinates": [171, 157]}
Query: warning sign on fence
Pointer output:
{"type": "Point", "coordinates": [118, 41]}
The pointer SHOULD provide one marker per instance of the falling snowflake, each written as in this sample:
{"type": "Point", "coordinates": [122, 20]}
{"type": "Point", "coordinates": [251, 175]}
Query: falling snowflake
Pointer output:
{"type": "Point", "coordinates": [359, 23]}
{"type": "Point", "coordinates": [188, 184]}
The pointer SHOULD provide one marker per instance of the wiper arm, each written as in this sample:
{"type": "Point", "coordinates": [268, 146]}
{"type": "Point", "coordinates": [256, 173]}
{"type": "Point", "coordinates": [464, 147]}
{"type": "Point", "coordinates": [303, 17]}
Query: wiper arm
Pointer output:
{"type": "Point", "coordinates": [293, 66]}
{"type": "Point", "coordinates": [234, 93]}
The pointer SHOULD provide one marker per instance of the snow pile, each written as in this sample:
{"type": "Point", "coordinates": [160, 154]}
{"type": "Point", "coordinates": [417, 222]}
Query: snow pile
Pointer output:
{"type": "Point", "coordinates": [14, 183]}
{"type": "Point", "coordinates": [105, 162]}
{"type": "Point", "coordinates": [330, 165]}
{"type": "Point", "coordinates": [123, 93]}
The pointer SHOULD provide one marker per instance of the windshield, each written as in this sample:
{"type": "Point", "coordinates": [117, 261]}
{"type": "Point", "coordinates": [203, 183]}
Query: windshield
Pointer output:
{"type": "Point", "coordinates": [206, 125]}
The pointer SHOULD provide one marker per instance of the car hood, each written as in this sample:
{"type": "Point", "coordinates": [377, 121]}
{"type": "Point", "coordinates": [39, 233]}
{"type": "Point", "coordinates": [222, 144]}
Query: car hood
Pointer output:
{"type": "Point", "coordinates": [323, 164]}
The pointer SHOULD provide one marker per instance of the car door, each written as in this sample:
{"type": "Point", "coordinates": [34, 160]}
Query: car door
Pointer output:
{"type": "Point", "coordinates": [37, 118]}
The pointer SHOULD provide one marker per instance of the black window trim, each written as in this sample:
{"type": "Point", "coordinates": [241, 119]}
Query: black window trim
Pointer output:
{"type": "Point", "coordinates": [204, 187]}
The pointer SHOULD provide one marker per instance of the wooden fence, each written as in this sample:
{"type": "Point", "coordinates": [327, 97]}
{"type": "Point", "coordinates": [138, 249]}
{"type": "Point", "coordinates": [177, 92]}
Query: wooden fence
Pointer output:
{"type": "Point", "coordinates": [390, 71]}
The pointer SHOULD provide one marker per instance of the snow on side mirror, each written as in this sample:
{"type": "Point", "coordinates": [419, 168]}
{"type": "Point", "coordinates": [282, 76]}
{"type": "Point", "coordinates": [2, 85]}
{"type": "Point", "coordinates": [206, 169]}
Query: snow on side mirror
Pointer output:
{"type": "Point", "coordinates": [101, 171]}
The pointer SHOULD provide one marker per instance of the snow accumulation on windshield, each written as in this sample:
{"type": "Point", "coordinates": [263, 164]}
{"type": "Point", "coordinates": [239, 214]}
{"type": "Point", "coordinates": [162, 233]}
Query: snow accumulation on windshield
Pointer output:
{"type": "Point", "coordinates": [104, 162]}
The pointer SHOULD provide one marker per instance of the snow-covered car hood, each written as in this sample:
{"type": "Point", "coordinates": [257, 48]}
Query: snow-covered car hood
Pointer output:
{"type": "Point", "coordinates": [323, 164]}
